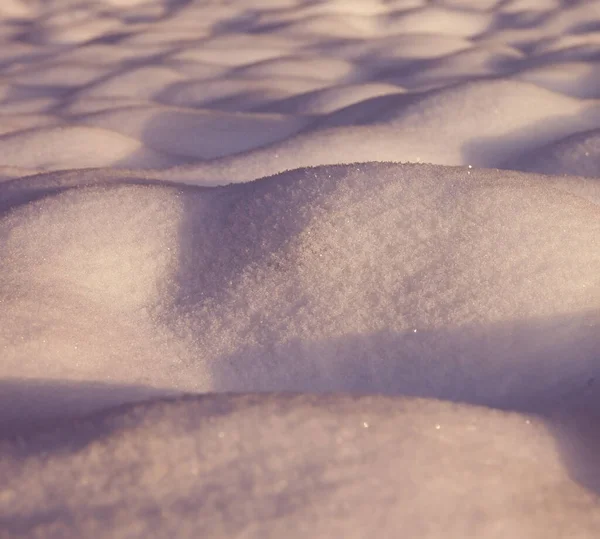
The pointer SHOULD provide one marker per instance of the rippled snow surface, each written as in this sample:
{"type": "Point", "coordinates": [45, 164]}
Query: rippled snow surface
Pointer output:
{"type": "Point", "coordinates": [299, 268]}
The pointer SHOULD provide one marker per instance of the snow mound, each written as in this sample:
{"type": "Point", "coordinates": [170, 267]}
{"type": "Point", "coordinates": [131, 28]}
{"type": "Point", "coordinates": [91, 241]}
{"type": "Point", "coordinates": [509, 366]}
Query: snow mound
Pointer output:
{"type": "Point", "coordinates": [309, 466]}
{"type": "Point", "coordinates": [420, 280]}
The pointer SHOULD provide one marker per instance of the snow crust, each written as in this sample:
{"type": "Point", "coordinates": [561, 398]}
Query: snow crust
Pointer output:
{"type": "Point", "coordinates": [248, 213]}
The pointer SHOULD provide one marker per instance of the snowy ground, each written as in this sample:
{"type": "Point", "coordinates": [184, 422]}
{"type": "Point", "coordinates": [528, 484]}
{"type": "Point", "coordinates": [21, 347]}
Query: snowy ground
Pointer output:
{"type": "Point", "coordinates": [389, 208]}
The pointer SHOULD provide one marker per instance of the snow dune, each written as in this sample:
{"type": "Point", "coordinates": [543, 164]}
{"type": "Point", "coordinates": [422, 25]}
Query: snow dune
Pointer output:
{"type": "Point", "coordinates": [347, 253]}
{"type": "Point", "coordinates": [267, 466]}
{"type": "Point", "coordinates": [377, 278]}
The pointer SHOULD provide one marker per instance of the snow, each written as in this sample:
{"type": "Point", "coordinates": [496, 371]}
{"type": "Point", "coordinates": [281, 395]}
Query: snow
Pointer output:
{"type": "Point", "coordinates": [299, 268]}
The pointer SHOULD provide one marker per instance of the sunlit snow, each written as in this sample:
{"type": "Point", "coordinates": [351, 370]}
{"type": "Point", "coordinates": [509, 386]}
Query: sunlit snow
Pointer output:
{"type": "Point", "coordinates": [299, 268]}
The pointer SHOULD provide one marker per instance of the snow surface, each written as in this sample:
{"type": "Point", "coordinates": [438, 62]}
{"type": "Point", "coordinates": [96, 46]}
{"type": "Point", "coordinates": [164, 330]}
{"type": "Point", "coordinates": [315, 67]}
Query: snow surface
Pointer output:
{"type": "Point", "coordinates": [361, 236]}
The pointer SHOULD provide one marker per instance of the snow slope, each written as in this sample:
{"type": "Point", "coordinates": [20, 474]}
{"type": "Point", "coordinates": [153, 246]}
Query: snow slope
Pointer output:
{"type": "Point", "coordinates": [238, 200]}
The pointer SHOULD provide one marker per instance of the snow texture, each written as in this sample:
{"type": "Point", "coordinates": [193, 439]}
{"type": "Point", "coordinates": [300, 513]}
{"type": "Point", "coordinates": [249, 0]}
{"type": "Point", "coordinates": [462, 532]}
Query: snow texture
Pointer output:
{"type": "Point", "coordinates": [292, 268]}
